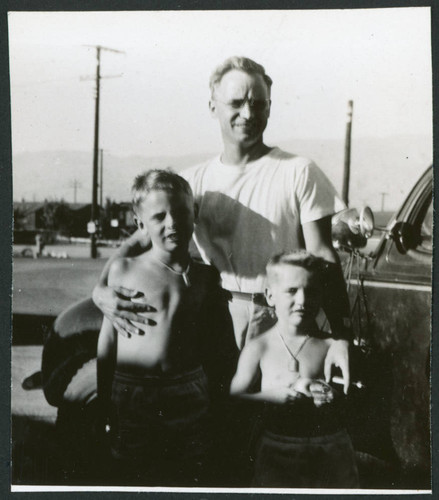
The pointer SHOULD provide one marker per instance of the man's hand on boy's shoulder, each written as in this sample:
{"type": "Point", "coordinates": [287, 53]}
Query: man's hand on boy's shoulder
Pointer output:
{"type": "Point", "coordinates": [117, 305]}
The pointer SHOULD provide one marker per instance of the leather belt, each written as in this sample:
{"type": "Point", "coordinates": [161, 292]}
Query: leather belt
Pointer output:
{"type": "Point", "coordinates": [256, 298]}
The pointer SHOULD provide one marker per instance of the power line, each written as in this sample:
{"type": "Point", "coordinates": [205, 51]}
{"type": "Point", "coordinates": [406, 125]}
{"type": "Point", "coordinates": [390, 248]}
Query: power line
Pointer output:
{"type": "Point", "coordinates": [75, 184]}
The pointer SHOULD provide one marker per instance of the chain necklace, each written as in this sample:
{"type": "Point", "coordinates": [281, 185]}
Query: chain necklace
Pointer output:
{"type": "Point", "coordinates": [184, 274]}
{"type": "Point", "coordinates": [293, 363]}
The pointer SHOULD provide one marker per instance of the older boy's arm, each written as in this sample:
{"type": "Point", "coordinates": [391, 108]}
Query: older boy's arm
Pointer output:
{"type": "Point", "coordinates": [318, 241]}
{"type": "Point", "coordinates": [106, 363]}
{"type": "Point", "coordinates": [115, 302]}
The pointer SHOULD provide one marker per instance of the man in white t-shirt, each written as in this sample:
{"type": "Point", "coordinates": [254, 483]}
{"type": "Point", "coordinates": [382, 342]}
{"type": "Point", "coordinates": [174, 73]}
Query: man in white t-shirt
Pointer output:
{"type": "Point", "coordinates": [253, 201]}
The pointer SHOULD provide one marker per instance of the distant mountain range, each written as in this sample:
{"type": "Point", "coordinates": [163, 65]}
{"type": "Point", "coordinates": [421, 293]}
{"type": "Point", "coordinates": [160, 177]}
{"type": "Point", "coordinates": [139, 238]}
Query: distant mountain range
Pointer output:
{"type": "Point", "coordinates": [388, 165]}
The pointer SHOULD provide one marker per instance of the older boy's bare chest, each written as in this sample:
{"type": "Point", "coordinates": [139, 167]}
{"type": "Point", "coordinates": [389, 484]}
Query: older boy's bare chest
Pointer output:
{"type": "Point", "coordinates": [170, 294]}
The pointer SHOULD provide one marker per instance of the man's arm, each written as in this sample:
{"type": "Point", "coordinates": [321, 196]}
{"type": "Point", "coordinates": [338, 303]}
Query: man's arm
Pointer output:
{"type": "Point", "coordinates": [248, 367]}
{"type": "Point", "coordinates": [115, 302]}
{"type": "Point", "coordinates": [317, 235]}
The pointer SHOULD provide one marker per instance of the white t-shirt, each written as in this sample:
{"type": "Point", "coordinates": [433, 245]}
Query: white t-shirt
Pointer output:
{"type": "Point", "coordinates": [249, 213]}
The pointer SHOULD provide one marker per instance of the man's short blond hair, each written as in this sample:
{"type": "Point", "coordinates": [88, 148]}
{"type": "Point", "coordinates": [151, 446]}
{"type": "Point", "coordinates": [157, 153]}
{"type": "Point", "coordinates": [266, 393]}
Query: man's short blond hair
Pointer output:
{"type": "Point", "coordinates": [241, 63]}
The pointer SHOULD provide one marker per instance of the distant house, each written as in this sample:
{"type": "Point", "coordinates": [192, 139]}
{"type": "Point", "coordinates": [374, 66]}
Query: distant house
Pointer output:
{"type": "Point", "coordinates": [32, 218]}
{"type": "Point", "coordinates": [118, 220]}
{"type": "Point", "coordinates": [81, 216]}
{"type": "Point", "coordinates": [28, 215]}
{"type": "Point", "coordinates": [125, 215]}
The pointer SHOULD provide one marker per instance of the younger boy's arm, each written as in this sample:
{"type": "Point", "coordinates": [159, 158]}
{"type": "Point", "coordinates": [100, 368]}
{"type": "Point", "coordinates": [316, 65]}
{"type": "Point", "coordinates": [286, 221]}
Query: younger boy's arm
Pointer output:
{"type": "Point", "coordinates": [248, 367]}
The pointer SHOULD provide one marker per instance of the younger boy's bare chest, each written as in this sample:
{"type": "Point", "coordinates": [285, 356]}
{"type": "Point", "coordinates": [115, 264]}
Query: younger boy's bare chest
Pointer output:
{"type": "Point", "coordinates": [281, 368]}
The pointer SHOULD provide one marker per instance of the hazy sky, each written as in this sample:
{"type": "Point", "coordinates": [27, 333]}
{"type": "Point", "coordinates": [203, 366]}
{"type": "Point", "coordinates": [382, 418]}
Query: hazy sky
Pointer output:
{"type": "Point", "coordinates": [318, 60]}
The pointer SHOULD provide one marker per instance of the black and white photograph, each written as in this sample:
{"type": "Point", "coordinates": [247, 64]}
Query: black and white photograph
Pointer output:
{"type": "Point", "coordinates": [222, 250]}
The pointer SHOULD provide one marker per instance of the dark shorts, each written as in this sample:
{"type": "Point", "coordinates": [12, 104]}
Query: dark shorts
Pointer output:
{"type": "Point", "coordinates": [305, 462]}
{"type": "Point", "coordinates": [160, 417]}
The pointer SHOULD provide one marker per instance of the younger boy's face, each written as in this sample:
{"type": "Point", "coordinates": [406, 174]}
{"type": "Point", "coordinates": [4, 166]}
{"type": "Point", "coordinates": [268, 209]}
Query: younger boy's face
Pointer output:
{"type": "Point", "coordinates": [168, 219]}
{"type": "Point", "coordinates": [295, 295]}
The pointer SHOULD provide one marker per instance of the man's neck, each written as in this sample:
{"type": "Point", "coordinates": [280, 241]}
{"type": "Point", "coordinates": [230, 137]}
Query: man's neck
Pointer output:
{"type": "Point", "coordinates": [238, 155]}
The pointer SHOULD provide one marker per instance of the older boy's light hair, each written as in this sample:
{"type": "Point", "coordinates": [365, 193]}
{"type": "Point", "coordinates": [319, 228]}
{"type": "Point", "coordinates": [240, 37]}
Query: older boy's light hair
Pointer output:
{"type": "Point", "coordinates": [157, 180]}
{"type": "Point", "coordinates": [300, 258]}
{"type": "Point", "coordinates": [242, 63]}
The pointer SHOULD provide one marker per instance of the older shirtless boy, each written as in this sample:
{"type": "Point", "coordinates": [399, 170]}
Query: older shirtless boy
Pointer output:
{"type": "Point", "coordinates": [151, 386]}
{"type": "Point", "coordinates": [304, 443]}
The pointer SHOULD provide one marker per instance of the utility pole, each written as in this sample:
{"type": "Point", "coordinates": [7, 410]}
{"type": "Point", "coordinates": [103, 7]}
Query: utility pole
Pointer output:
{"type": "Point", "coordinates": [94, 205]}
{"type": "Point", "coordinates": [347, 155]}
{"type": "Point", "coordinates": [101, 176]}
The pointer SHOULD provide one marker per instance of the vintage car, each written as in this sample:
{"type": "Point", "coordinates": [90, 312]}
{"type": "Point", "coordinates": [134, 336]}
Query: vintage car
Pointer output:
{"type": "Point", "coordinates": [390, 292]}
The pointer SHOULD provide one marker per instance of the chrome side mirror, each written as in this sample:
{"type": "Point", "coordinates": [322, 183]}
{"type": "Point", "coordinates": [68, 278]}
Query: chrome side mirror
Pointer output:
{"type": "Point", "coordinates": [366, 222]}
{"type": "Point", "coordinates": [351, 229]}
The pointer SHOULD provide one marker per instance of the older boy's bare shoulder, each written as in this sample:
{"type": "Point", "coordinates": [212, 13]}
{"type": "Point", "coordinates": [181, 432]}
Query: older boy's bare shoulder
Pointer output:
{"type": "Point", "coordinates": [118, 268]}
{"type": "Point", "coordinates": [123, 267]}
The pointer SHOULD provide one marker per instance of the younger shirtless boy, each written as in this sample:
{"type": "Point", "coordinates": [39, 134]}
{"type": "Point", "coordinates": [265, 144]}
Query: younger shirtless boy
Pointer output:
{"type": "Point", "coordinates": [151, 387]}
{"type": "Point", "coordinates": [303, 444]}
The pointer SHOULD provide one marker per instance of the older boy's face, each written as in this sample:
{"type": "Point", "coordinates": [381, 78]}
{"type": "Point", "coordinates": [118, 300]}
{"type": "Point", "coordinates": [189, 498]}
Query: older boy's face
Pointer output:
{"type": "Point", "coordinates": [295, 295]}
{"type": "Point", "coordinates": [168, 218]}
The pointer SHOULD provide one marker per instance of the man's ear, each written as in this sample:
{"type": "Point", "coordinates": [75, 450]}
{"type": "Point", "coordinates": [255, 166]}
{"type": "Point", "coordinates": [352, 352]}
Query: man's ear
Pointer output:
{"type": "Point", "coordinates": [269, 109]}
{"type": "Point", "coordinates": [138, 222]}
{"type": "Point", "coordinates": [269, 296]}
{"type": "Point", "coordinates": [212, 108]}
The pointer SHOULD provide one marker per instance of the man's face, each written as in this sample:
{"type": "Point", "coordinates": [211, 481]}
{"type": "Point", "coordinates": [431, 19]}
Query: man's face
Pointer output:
{"type": "Point", "coordinates": [168, 219]}
{"type": "Point", "coordinates": [241, 104]}
{"type": "Point", "coordinates": [295, 294]}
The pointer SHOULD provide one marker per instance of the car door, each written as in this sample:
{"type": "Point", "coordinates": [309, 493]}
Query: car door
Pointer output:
{"type": "Point", "coordinates": [393, 296]}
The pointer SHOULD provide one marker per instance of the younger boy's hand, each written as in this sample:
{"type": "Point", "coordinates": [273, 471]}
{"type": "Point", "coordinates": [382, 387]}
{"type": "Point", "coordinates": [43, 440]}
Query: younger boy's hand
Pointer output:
{"type": "Point", "coordinates": [302, 386]}
{"type": "Point", "coordinates": [321, 393]}
{"type": "Point", "coordinates": [282, 395]}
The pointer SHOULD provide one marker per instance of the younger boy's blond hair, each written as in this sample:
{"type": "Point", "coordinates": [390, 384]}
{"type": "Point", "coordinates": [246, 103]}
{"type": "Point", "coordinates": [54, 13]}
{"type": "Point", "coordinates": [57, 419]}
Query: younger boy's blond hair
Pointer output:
{"type": "Point", "coordinates": [300, 258]}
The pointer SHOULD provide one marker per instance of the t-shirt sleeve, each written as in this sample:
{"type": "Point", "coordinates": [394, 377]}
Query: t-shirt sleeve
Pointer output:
{"type": "Point", "coordinates": [316, 196]}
